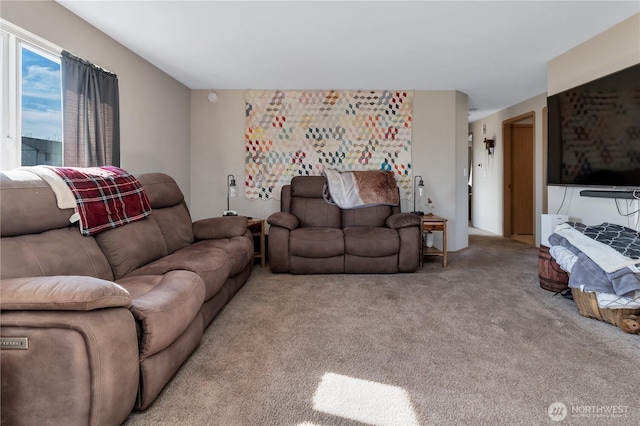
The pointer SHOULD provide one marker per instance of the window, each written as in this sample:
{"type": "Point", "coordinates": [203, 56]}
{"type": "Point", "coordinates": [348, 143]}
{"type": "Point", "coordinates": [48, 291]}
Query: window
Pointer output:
{"type": "Point", "coordinates": [32, 111]}
{"type": "Point", "coordinates": [31, 126]}
{"type": "Point", "coordinates": [41, 109]}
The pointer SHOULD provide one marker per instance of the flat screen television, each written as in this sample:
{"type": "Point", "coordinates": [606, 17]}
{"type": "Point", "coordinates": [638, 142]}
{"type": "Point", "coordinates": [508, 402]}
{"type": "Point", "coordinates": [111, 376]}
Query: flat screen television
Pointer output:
{"type": "Point", "coordinates": [594, 133]}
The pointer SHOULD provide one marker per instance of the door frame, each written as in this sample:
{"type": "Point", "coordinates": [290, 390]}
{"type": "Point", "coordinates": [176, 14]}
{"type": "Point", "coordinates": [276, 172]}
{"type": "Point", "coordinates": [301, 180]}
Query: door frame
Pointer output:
{"type": "Point", "coordinates": [506, 171]}
{"type": "Point", "coordinates": [545, 208]}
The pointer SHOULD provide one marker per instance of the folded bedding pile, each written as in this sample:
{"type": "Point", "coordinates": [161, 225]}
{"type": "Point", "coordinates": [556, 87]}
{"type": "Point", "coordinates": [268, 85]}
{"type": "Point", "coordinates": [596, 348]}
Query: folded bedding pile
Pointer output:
{"type": "Point", "coordinates": [604, 259]}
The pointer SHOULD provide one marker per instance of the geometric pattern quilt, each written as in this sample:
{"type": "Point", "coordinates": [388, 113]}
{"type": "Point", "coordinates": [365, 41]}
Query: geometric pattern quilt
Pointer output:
{"type": "Point", "coordinates": [300, 133]}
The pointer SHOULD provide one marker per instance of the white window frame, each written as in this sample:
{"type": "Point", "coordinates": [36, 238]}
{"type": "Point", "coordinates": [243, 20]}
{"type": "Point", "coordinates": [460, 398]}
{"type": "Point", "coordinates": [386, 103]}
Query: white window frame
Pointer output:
{"type": "Point", "coordinates": [12, 40]}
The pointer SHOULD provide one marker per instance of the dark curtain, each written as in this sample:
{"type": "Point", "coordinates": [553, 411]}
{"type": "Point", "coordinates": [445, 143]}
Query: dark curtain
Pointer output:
{"type": "Point", "coordinates": [91, 114]}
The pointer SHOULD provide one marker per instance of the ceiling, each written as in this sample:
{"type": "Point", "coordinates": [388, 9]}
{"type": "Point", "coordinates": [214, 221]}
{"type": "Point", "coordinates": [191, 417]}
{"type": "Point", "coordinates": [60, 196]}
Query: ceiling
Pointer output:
{"type": "Point", "coordinates": [494, 51]}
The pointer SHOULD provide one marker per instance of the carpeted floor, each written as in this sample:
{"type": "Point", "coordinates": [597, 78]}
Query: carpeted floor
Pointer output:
{"type": "Point", "coordinates": [476, 343]}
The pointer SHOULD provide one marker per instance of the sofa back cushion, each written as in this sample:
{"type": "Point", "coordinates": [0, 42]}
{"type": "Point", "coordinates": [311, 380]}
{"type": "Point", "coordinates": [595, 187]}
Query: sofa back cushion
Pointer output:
{"type": "Point", "coordinates": [133, 245]}
{"type": "Point", "coordinates": [28, 205]}
{"type": "Point", "coordinates": [175, 224]}
{"type": "Point", "coordinates": [366, 216]}
{"type": "Point", "coordinates": [308, 205]}
{"type": "Point", "coordinates": [162, 190]}
{"type": "Point", "coordinates": [57, 252]}
{"type": "Point", "coordinates": [168, 209]}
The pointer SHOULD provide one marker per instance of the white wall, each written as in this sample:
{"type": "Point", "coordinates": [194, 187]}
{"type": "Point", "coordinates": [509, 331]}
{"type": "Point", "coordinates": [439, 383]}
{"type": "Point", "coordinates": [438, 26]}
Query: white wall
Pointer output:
{"type": "Point", "coordinates": [461, 172]}
{"type": "Point", "coordinates": [439, 155]}
{"type": "Point", "coordinates": [487, 210]}
{"type": "Point", "coordinates": [218, 150]}
{"type": "Point", "coordinates": [608, 52]}
{"type": "Point", "coordinates": [154, 108]}
{"type": "Point", "coordinates": [439, 142]}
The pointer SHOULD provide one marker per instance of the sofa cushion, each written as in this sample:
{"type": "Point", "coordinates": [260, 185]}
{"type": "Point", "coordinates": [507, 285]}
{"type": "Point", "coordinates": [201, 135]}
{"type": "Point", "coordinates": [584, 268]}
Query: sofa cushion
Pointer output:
{"type": "Point", "coordinates": [370, 265]}
{"type": "Point", "coordinates": [62, 293]}
{"type": "Point", "coordinates": [165, 305]}
{"type": "Point", "coordinates": [308, 205]}
{"type": "Point", "coordinates": [283, 220]}
{"type": "Point", "coordinates": [157, 369]}
{"type": "Point", "coordinates": [175, 224]}
{"type": "Point", "coordinates": [58, 252]}
{"type": "Point", "coordinates": [211, 263]}
{"type": "Point", "coordinates": [315, 213]}
{"type": "Point", "coordinates": [307, 186]}
{"type": "Point", "coordinates": [371, 242]}
{"type": "Point", "coordinates": [239, 249]}
{"type": "Point", "coordinates": [316, 242]}
{"type": "Point", "coordinates": [366, 216]}
{"type": "Point", "coordinates": [220, 227]}
{"type": "Point", "coordinates": [130, 246]}
{"type": "Point", "coordinates": [318, 265]}
{"type": "Point", "coordinates": [403, 220]}
{"type": "Point", "coordinates": [162, 190]}
{"type": "Point", "coordinates": [28, 205]}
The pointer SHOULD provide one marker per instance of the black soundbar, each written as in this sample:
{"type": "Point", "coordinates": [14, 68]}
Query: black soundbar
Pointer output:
{"type": "Point", "coordinates": [631, 195]}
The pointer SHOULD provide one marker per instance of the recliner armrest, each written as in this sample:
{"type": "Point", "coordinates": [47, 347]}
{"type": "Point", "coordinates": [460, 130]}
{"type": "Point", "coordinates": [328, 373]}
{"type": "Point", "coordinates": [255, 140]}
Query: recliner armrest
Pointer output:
{"type": "Point", "coordinates": [220, 227]}
{"type": "Point", "coordinates": [61, 293]}
{"type": "Point", "coordinates": [283, 220]}
{"type": "Point", "coordinates": [402, 220]}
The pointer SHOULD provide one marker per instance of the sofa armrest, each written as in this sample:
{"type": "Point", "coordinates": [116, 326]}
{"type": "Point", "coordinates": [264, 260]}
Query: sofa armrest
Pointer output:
{"type": "Point", "coordinates": [61, 293]}
{"type": "Point", "coordinates": [220, 227]}
{"type": "Point", "coordinates": [283, 220]}
{"type": "Point", "coordinates": [402, 220]}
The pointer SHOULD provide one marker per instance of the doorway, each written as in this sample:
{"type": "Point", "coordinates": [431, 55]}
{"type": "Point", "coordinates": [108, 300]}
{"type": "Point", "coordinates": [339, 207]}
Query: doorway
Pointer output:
{"type": "Point", "coordinates": [519, 183]}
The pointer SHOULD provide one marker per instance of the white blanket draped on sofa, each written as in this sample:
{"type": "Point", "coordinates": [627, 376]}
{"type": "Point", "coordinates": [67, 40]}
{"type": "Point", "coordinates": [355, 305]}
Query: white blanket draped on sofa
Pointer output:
{"type": "Point", "coordinates": [356, 189]}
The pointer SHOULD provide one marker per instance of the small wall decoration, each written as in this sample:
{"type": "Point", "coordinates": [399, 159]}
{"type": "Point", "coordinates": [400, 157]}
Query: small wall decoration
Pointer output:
{"type": "Point", "coordinates": [291, 133]}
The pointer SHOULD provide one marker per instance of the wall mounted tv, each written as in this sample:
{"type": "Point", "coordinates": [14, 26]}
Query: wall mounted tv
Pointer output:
{"type": "Point", "coordinates": [594, 133]}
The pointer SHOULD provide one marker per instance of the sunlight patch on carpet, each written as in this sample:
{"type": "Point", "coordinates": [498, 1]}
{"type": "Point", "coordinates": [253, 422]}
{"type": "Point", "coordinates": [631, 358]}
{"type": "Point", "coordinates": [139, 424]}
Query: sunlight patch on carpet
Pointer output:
{"type": "Point", "coordinates": [364, 401]}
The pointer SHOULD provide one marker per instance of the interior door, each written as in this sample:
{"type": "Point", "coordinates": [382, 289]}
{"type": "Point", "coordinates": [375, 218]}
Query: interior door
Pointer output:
{"type": "Point", "coordinates": [522, 197]}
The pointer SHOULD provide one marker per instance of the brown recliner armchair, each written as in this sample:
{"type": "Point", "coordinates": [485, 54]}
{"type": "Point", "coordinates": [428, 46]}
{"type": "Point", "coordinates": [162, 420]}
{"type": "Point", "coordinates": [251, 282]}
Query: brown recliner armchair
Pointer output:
{"type": "Point", "coordinates": [311, 236]}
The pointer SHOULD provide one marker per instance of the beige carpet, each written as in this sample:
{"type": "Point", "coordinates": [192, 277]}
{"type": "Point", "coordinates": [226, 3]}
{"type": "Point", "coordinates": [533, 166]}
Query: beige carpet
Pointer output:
{"type": "Point", "coordinates": [476, 343]}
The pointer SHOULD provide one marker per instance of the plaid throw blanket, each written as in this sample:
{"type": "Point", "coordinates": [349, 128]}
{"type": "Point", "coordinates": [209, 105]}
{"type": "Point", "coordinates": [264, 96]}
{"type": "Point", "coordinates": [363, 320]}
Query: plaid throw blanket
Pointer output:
{"type": "Point", "coordinates": [106, 197]}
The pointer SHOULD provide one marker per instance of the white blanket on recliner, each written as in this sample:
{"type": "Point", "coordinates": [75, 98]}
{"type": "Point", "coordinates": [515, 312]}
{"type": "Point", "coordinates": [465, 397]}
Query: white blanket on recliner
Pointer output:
{"type": "Point", "coordinates": [350, 190]}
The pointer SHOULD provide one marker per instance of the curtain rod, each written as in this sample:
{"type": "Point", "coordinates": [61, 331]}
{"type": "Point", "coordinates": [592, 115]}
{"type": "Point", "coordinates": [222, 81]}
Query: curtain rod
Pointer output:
{"type": "Point", "coordinates": [85, 62]}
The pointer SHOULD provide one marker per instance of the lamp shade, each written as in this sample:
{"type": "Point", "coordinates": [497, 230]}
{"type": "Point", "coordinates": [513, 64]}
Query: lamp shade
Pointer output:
{"type": "Point", "coordinates": [232, 191]}
{"type": "Point", "coordinates": [418, 191]}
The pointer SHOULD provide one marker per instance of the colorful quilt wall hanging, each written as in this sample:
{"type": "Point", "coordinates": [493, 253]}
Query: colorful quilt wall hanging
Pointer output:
{"type": "Point", "coordinates": [300, 133]}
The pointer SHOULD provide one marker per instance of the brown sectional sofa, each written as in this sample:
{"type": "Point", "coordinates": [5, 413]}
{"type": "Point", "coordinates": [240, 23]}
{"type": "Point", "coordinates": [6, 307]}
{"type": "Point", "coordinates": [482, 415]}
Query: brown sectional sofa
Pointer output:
{"type": "Point", "coordinates": [109, 319]}
{"type": "Point", "coordinates": [311, 236]}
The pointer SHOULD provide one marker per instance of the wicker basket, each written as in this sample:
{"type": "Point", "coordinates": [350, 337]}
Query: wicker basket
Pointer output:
{"type": "Point", "coordinates": [551, 276]}
{"type": "Point", "coordinates": [588, 307]}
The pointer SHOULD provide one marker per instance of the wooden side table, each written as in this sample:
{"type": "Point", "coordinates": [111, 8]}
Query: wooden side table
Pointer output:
{"type": "Point", "coordinates": [256, 226]}
{"type": "Point", "coordinates": [431, 223]}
